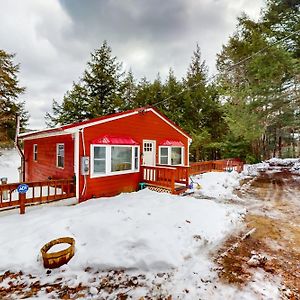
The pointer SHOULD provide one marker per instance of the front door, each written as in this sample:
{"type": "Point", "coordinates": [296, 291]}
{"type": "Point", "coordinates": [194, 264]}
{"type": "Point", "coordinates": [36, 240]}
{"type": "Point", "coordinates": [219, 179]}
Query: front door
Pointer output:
{"type": "Point", "coordinates": [149, 152]}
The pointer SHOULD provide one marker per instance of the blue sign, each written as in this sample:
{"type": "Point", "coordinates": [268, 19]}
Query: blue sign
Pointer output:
{"type": "Point", "coordinates": [23, 188]}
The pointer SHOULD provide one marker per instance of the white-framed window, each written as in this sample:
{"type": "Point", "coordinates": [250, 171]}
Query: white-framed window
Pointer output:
{"type": "Point", "coordinates": [60, 155]}
{"type": "Point", "coordinates": [107, 160]}
{"type": "Point", "coordinates": [171, 155]}
{"type": "Point", "coordinates": [35, 152]}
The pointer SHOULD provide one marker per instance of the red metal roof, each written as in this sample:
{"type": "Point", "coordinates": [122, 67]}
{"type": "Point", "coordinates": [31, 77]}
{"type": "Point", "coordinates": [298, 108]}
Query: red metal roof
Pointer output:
{"type": "Point", "coordinates": [114, 140]}
{"type": "Point", "coordinates": [171, 143]}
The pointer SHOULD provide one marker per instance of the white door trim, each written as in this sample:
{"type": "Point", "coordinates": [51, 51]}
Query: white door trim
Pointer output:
{"type": "Point", "coordinates": [154, 151]}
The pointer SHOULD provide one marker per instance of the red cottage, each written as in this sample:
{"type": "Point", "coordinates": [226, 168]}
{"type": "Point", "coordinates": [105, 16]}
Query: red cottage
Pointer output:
{"type": "Point", "coordinates": [111, 154]}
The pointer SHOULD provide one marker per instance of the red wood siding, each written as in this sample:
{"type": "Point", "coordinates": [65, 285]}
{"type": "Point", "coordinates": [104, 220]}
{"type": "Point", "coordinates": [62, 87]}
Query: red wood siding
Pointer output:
{"type": "Point", "coordinates": [147, 126]}
{"type": "Point", "coordinates": [45, 166]}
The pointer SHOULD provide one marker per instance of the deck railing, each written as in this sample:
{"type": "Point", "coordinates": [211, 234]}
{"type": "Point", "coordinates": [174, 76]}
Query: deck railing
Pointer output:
{"type": "Point", "coordinates": [159, 176]}
{"type": "Point", "coordinates": [200, 167]}
{"type": "Point", "coordinates": [38, 192]}
{"type": "Point", "coordinates": [216, 165]}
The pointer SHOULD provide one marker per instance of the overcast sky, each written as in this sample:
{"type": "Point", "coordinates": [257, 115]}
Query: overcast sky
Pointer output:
{"type": "Point", "coordinates": [53, 39]}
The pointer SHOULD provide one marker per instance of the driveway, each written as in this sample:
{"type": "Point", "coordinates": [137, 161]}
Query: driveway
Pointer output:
{"type": "Point", "coordinates": [272, 200]}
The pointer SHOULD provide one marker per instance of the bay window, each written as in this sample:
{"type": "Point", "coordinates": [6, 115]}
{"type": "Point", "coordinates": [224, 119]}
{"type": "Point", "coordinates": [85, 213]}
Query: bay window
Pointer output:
{"type": "Point", "coordinates": [114, 159]}
{"type": "Point", "coordinates": [172, 156]}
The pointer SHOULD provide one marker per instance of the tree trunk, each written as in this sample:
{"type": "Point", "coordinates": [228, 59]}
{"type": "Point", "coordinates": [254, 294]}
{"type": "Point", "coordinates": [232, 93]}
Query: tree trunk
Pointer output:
{"type": "Point", "coordinates": [275, 144]}
{"type": "Point", "coordinates": [280, 147]}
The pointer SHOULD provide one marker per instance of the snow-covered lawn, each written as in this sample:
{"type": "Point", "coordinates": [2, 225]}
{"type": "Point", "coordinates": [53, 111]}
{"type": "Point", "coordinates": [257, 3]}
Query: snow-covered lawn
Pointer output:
{"type": "Point", "coordinates": [9, 163]}
{"type": "Point", "coordinates": [143, 231]}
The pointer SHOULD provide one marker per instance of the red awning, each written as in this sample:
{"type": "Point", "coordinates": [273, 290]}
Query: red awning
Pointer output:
{"type": "Point", "coordinates": [114, 140]}
{"type": "Point", "coordinates": [171, 143]}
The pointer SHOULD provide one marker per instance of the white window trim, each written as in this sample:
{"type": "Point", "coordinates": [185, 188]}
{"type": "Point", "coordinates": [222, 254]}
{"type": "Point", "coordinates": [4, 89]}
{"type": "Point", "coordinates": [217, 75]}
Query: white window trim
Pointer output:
{"type": "Point", "coordinates": [169, 155]}
{"type": "Point", "coordinates": [35, 147]}
{"type": "Point", "coordinates": [108, 161]}
{"type": "Point", "coordinates": [57, 145]}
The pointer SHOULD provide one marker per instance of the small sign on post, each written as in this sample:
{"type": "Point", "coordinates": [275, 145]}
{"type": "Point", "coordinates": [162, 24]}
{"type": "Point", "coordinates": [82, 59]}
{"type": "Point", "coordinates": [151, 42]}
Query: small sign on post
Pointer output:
{"type": "Point", "coordinates": [5, 192]}
{"type": "Point", "coordinates": [22, 190]}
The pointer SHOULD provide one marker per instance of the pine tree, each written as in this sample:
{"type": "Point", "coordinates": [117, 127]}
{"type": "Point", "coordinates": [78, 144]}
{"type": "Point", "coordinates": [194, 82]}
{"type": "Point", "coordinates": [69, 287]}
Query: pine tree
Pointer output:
{"type": "Point", "coordinates": [202, 113]}
{"type": "Point", "coordinates": [102, 80]}
{"type": "Point", "coordinates": [128, 91]}
{"type": "Point", "coordinates": [98, 93]}
{"type": "Point", "coordinates": [173, 106]}
{"type": "Point", "coordinates": [258, 89]}
{"type": "Point", "coordinates": [74, 108]}
{"type": "Point", "coordinates": [9, 93]}
{"type": "Point", "coordinates": [143, 93]}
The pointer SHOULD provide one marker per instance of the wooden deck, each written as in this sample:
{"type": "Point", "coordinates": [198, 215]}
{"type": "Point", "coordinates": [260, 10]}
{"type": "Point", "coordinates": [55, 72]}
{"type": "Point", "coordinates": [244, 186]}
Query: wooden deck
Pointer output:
{"type": "Point", "coordinates": [175, 179]}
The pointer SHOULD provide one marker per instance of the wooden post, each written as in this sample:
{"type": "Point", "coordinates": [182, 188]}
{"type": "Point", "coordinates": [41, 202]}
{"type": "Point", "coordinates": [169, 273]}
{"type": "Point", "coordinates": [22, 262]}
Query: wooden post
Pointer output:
{"type": "Point", "coordinates": [173, 181]}
{"type": "Point", "coordinates": [22, 198]}
{"type": "Point", "coordinates": [187, 177]}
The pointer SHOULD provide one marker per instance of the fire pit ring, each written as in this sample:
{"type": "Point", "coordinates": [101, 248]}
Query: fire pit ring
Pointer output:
{"type": "Point", "coordinates": [54, 260]}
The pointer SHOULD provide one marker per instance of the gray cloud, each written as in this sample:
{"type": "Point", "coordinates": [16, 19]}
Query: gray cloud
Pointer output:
{"type": "Point", "coordinates": [53, 39]}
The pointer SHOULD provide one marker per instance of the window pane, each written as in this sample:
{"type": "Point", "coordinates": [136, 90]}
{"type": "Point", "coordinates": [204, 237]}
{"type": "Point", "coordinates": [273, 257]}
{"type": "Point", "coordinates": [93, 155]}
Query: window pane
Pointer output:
{"type": "Point", "coordinates": [99, 152]}
{"type": "Point", "coordinates": [163, 160]}
{"type": "Point", "coordinates": [99, 166]}
{"type": "Point", "coordinates": [60, 161]}
{"type": "Point", "coordinates": [136, 158]}
{"type": "Point", "coordinates": [164, 151]}
{"type": "Point", "coordinates": [175, 156]}
{"type": "Point", "coordinates": [35, 152]}
{"type": "Point", "coordinates": [121, 158]}
{"type": "Point", "coordinates": [60, 155]}
{"type": "Point", "coordinates": [61, 150]}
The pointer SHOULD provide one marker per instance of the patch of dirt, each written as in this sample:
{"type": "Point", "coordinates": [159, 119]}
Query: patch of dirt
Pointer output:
{"type": "Point", "coordinates": [273, 204]}
{"type": "Point", "coordinates": [112, 285]}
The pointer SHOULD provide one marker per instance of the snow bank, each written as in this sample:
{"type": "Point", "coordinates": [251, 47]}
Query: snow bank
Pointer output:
{"type": "Point", "coordinates": [286, 162]}
{"type": "Point", "coordinates": [143, 231]}
{"type": "Point", "coordinates": [272, 165]}
{"type": "Point", "coordinates": [9, 163]}
{"type": "Point", "coordinates": [220, 185]}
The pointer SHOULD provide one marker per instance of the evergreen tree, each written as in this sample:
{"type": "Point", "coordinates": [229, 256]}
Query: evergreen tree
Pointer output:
{"type": "Point", "coordinates": [257, 76]}
{"type": "Point", "coordinates": [143, 93]}
{"type": "Point", "coordinates": [128, 92]}
{"type": "Point", "coordinates": [74, 108]}
{"type": "Point", "coordinates": [102, 80]}
{"type": "Point", "coordinates": [173, 106]}
{"type": "Point", "coordinates": [98, 92]}
{"type": "Point", "coordinates": [202, 113]}
{"type": "Point", "coordinates": [9, 93]}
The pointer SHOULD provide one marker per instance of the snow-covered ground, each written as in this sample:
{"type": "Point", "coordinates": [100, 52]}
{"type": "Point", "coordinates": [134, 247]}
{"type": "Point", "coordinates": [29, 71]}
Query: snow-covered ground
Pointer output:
{"type": "Point", "coordinates": [9, 163]}
{"type": "Point", "coordinates": [167, 241]}
{"type": "Point", "coordinates": [217, 185]}
{"type": "Point", "coordinates": [144, 232]}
